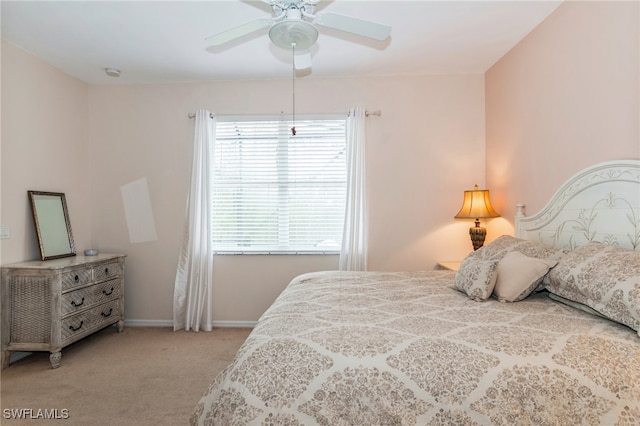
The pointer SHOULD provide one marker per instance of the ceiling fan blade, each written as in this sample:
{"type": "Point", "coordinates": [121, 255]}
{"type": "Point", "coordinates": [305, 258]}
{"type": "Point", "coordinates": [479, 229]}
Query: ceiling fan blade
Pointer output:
{"type": "Point", "coordinates": [237, 32]}
{"type": "Point", "coordinates": [302, 60]}
{"type": "Point", "coordinates": [354, 25]}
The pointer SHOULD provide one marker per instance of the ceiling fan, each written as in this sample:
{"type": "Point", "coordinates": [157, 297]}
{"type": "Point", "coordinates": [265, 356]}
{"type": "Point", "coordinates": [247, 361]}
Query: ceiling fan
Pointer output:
{"type": "Point", "coordinates": [293, 27]}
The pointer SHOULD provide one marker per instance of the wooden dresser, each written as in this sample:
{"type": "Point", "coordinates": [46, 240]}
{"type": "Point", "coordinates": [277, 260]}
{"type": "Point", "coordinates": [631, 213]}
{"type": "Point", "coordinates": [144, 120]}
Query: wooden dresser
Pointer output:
{"type": "Point", "coordinates": [47, 305]}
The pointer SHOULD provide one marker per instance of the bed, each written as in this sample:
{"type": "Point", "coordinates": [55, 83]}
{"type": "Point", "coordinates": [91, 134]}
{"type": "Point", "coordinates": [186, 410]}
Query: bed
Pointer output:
{"type": "Point", "coordinates": [536, 328]}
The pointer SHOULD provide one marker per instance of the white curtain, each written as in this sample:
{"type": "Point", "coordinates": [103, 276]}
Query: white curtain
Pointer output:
{"type": "Point", "coordinates": [353, 254]}
{"type": "Point", "coordinates": [193, 285]}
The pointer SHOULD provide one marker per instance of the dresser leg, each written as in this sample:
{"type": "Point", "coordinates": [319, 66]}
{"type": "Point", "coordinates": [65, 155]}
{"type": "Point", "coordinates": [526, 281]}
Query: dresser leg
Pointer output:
{"type": "Point", "coordinates": [55, 358]}
{"type": "Point", "coordinates": [6, 357]}
{"type": "Point", "coordinates": [120, 326]}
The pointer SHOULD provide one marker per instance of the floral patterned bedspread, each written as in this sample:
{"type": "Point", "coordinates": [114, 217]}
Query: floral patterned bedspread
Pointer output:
{"type": "Point", "coordinates": [374, 348]}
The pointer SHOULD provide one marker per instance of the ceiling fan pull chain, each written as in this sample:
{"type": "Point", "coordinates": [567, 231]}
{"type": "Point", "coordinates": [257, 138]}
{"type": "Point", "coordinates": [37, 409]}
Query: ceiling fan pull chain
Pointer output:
{"type": "Point", "coordinates": [293, 87]}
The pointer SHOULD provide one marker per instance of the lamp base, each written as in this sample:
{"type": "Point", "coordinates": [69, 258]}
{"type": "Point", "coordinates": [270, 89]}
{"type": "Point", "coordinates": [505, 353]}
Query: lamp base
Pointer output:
{"type": "Point", "coordinates": [478, 234]}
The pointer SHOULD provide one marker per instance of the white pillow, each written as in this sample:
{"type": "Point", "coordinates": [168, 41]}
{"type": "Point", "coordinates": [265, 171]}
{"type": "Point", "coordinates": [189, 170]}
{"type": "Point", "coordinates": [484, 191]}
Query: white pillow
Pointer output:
{"type": "Point", "coordinates": [519, 275]}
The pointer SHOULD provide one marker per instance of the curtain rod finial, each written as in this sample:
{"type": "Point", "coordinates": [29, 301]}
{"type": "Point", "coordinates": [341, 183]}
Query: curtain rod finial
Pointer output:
{"type": "Point", "coordinates": [192, 115]}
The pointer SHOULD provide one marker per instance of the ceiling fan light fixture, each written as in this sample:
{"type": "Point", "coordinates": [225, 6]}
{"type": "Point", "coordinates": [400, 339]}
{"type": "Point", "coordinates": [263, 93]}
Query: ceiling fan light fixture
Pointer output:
{"type": "Point", "coordinates": [284, 33]}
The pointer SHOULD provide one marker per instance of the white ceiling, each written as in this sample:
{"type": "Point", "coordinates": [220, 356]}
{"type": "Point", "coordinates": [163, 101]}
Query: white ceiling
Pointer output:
{"type": "Point", "coordinates": [163, 41]}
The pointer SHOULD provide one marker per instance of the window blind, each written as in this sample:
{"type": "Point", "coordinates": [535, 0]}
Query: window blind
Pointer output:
{"type": "Point", "coordinates": [278, 193]}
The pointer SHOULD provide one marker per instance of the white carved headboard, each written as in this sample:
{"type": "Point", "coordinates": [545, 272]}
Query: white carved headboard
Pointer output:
{"type": "Point", "coordinates": [600, 203]}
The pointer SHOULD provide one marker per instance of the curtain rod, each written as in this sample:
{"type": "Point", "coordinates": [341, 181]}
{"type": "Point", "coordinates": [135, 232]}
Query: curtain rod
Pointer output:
{"type": "Point", "coordinates": [366, 114]}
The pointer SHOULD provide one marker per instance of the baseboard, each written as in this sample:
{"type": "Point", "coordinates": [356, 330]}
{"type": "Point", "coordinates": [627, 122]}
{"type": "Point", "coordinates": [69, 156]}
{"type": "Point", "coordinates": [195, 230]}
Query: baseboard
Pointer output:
{"type": "Point", "coordinates": [147, 323]}
{"type": "Point", "coordinates": [234, 324]}
{"type": "Point", "coordinates": [17, 356]}
{"type": "Point", "coordinates": [169, 323]}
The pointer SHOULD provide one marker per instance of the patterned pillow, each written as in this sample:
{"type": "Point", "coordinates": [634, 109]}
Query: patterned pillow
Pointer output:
{"type": "Point", "coordinates": [605, 278]}
{"type": "Point", "coordinates": [498, 248]}
{"type": "Point", "coordinates": [476, 278]}
{"type": "Point", "coordinates": [519, 275]}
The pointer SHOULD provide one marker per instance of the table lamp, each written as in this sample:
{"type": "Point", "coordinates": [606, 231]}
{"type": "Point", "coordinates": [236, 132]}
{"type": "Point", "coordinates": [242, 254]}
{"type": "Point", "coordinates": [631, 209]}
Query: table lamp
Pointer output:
{"type": "Point", "coordinates": [476, 205]}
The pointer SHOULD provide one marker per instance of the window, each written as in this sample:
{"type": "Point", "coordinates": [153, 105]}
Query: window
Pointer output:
{"type": "Point", "coordinates": [278, 193]}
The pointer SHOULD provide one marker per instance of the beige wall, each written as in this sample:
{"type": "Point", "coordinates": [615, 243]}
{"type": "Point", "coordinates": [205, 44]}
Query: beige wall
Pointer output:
{"type": "Point", "coordinates": [565, 97]}
{"type": "Point", "coordinates": [425, 149]}
{"type": "Point", "coordinates": [45, 147]}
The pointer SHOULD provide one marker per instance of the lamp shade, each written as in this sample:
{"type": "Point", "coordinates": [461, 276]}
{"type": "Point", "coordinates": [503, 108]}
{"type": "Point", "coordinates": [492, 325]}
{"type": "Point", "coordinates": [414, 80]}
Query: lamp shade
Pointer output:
{"type": "Point", "coordinates": [476, 205]}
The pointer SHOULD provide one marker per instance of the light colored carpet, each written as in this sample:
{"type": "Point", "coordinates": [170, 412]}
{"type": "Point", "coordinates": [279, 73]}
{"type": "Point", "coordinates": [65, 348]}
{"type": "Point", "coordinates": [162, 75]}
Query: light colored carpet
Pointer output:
{"type": "Point", "coordinates": [143, 376]}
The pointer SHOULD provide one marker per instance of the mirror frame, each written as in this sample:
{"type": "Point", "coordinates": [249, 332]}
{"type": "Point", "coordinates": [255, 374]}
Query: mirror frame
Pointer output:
{"type": "Point", "coordinates": [62, 222]}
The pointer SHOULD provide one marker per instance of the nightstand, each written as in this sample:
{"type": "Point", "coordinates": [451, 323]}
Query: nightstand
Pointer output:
{"type": "Point", "coordinates": [449, 265]}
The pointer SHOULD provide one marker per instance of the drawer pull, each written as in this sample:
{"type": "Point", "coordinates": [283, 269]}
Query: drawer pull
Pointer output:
{"type": "Point", "coordinates": [72, 328]}
{"type": "Point", "coordinates": [73, 302]}
{"type": "Point", "coordinates": [106, 271]}
{"type": "Point", "coordinates": [108, 314]}
{"type": "Point", "coordinates": [76, 278]}
{"type": "Point", "coordinates": [108, 293]}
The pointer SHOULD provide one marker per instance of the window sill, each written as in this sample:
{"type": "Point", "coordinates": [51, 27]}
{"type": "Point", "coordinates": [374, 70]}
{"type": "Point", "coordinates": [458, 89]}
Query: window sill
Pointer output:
{"type": "Point", "coordinates": [275, 253]}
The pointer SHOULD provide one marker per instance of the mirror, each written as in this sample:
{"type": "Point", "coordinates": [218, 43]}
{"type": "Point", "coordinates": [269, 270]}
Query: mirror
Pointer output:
{"type": "Point", "coordinates": [53, 229]}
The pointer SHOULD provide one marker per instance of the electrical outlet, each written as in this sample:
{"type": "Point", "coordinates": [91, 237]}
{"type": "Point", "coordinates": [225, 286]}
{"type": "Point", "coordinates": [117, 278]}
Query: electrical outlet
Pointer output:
{"type": "Point", "coordinates": [5, 232]}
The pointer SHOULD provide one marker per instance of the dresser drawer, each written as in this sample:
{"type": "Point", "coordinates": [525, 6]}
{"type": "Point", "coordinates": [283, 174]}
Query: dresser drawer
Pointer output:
{"type": "Point", "coordinates": [76, 278]}
{"type": "Point", "coordinates": [110, 270]}
{"type": "Point", "coordinates": [104, 314]}
{"type": "Point", "coordinates": [83, 298]}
